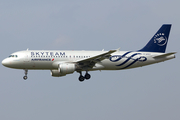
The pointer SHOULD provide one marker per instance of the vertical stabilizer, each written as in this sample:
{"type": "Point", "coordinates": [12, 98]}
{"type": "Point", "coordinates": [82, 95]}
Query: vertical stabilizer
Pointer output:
{"type": "Point", "coordinates": [159, 41]}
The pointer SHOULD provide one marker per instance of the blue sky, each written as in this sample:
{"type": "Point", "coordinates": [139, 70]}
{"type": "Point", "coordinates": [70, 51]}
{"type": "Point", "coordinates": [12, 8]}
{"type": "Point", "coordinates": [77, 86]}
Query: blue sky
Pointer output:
{"type": "Point", "coordinates": [150, 92]}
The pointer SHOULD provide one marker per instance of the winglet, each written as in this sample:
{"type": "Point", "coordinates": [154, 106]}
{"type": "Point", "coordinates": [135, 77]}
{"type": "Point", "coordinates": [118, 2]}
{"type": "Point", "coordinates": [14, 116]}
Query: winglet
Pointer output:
{"type": "Point", "coordinates": [118, 50]}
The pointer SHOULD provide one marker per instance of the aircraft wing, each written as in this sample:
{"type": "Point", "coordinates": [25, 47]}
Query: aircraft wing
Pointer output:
{"type": "Point", "coordinates": [90, 62]}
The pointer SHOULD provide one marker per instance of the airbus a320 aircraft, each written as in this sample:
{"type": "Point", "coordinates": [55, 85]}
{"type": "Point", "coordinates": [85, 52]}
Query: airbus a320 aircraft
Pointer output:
{"type": "Point", "coordinates": [62, 62]}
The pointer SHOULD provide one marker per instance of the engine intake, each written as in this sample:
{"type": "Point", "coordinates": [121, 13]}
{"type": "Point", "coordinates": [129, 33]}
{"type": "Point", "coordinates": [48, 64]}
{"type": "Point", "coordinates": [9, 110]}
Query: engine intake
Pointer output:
{"type": "Point", "coordinates": [64, 68]}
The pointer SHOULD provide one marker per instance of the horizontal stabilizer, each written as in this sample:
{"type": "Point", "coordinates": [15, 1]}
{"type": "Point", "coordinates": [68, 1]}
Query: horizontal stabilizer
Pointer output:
{"type": "Point", "coordinates": [164, 55]}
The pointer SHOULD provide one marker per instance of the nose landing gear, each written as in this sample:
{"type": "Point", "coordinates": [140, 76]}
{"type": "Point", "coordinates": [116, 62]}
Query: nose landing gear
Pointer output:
{"type": "Point", "coordinates": [25, 72]}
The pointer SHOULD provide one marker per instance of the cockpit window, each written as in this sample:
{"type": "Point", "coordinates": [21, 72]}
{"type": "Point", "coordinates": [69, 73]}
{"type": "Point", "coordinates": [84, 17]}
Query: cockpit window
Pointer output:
{"type": "Point", "coordinates": [13, 56]}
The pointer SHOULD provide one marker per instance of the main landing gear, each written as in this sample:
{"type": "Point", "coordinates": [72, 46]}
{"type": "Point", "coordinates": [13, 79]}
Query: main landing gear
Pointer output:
{"type": "Point", "coordinates": [25, 72]}
{"type": "Point", "coordinates": [81, 77]}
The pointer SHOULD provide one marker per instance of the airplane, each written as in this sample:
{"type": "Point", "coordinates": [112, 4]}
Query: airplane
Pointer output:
{"type": "Point", "coordinates": [61, 62]}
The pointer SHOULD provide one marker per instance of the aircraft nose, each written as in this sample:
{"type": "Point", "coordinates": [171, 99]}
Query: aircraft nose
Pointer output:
{"type": "Point", "coordinates": [5, 62]}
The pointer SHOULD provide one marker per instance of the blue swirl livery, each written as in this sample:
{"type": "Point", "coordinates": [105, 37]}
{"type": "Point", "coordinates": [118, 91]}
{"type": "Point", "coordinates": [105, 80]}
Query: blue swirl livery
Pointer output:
{"type": "Point", "coordinates": [127, 59]}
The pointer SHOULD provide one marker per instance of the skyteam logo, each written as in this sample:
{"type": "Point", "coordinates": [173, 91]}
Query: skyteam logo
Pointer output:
{"type": "Point", "coordinates": [160, 39]}
{"type": "Point", "coordinates": [127, 59]}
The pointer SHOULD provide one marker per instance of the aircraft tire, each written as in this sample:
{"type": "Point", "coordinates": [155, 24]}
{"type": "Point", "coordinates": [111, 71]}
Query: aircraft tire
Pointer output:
{"type": "Point", "coordinates": [25, 77]}
{"type": "Point", "coordinates": [81, 78]}
{"type": "Point", "coordinates": [87, 76]}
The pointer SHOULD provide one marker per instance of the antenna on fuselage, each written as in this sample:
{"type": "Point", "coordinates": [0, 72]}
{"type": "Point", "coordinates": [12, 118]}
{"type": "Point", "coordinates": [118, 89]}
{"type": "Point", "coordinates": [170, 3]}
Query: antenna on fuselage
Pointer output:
{"type": "Point", "coordinates": [27, 49]}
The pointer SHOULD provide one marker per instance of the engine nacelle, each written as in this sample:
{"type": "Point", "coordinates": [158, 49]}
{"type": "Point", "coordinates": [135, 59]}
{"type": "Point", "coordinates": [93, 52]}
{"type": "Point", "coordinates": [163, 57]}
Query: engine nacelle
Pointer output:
{"type": "Point", "coordinates": [64, 68]}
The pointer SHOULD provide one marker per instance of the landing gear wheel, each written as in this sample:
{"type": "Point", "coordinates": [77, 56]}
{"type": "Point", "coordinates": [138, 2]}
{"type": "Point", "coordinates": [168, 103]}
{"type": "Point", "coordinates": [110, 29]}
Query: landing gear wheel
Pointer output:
{"type": "Point", "coordinates": [25, 77]}
{"type": "Point", "coordinates": [87, 76]}
{"type": "Point", "coordinates": [25, 72]}
{"type": "Point", "coordinates": [81, 78]}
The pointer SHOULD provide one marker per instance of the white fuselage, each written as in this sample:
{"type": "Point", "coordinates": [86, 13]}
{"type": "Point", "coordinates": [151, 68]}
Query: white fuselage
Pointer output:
{"type": "Point", "coordinates": [49, 60]}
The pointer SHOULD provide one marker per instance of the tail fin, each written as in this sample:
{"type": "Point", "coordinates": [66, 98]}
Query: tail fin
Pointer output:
{"type": "Point", "coordinates": [159, 41]}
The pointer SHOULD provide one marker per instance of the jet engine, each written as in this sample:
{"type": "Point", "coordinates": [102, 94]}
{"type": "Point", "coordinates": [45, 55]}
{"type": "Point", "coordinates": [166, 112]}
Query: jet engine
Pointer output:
{"type": "Point", "coordinates": [64, 68]}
